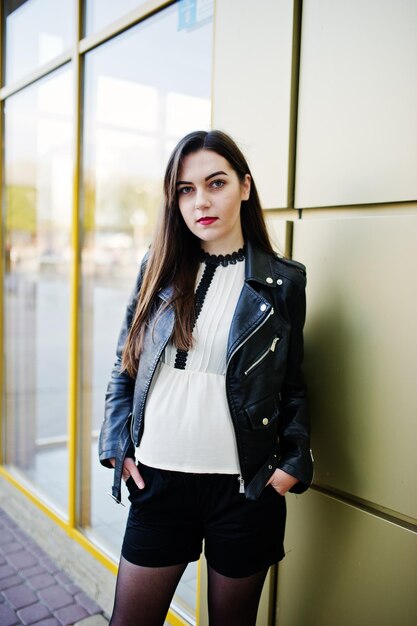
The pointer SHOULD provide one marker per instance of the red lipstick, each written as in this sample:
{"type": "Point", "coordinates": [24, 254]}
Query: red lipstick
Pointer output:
{"type": "Point", "coordinates": [206, 221]}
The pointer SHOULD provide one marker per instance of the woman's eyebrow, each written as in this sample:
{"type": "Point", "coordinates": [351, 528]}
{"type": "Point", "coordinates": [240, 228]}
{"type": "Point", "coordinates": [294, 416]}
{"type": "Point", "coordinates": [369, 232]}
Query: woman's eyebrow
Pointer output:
{"type": "Point", "coordinates": [215, 174]}
{"type": "Point", "coordinates": [187, 182]}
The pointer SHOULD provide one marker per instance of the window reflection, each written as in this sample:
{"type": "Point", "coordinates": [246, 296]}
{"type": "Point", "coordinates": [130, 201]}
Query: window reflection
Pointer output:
{"type": "Point", "coordinates": [37, 31]}
{"type": "Point", "coordinates": [144, 90]}
{"type": "Point", "coordinates": [100, 13]}
{"type": "Point", "coordinates": [38, 139]}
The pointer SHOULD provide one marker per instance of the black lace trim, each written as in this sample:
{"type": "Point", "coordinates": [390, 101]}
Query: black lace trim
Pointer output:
{"type": "Point", "coordinates": [200, 294]}
{"type": "Point", "coordinates": [212, 262]}
{"type": "Point", "coordinates": [223, 259]}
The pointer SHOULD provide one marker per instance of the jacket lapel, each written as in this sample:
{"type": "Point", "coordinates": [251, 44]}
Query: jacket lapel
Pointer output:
{"type": "Point", "coordinates": [252, 308]}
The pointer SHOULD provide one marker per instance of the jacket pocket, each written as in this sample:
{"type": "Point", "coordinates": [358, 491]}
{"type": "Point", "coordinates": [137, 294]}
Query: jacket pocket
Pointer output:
{"type": "Point", "coordinates": [263, 414]}
{"type": "Point", "coordinates": [262, 356]}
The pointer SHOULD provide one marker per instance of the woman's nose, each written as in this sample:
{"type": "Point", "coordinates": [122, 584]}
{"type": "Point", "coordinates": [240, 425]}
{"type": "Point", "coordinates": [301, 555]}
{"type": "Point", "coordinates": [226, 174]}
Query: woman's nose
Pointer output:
{"type": "Point", "coordinates": [202, 200]}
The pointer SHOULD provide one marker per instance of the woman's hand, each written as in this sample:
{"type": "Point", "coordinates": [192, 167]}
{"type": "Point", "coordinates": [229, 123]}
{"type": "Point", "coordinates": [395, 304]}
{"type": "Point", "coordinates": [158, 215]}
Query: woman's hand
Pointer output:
{"type": "Point", "coordinates": [130, 470]}
{"type": "Point", "coordinates": [282, 482]}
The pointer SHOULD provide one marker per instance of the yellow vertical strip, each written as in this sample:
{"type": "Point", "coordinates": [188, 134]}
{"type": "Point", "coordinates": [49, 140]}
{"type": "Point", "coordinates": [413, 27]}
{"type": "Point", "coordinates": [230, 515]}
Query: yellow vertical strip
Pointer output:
{"type": "Point", "coordinates": [175, 620]}
{"type": "Point", "coordinates": [75, 282]}
{"type": "Point", "coordinates": [198, 599]}
{"type": "Point", "coordinates": [2, 240]}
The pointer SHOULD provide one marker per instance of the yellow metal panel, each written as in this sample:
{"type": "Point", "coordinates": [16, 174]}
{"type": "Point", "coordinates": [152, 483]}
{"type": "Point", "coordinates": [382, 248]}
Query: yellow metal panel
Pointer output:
{"type": "Point", "coordinates": [279, 224]}
{"type": "Point", "coordinates": [357, 122]}
{"type": "Point", "coordinates": [175, 620]}
{"type": "Point", "coordinates": [75, 286]}
{"type": "Point", "coordinates": [202, 606]}
{"type": "Point", "coordinates": [252, 80]}
{"type": "Point", "coordinates": [266, 610]}
{"type": "Point", "coordinates": [361, 355]}
{"type": "Point", "coordinates": [345, 567]}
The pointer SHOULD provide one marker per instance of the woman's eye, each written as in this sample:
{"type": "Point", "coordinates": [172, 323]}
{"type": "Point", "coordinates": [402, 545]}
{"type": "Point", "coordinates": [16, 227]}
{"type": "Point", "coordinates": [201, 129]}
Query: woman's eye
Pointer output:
{"type": "Point", "coordinates": [185, 190]}
{"type": "Point", "coordinates": [217, 184]}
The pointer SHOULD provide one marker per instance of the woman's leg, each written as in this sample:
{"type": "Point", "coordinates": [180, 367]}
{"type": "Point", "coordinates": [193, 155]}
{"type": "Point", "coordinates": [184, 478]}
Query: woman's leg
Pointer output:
{"type": "Point", "coordinates": [143, 594]}
{"type": "Point", "coordinates": [234, 601]}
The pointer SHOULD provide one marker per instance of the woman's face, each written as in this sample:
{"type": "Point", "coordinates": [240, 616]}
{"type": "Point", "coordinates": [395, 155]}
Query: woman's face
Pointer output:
{"type": "Point", "coordinates": [209, 197]}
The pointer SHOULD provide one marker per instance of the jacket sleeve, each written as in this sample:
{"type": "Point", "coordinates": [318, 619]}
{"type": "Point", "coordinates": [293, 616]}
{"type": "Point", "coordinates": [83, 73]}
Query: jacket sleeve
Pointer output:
{"type": "Point", "coordinates": [120, 389]}
{"type": "Point", "coordinates": [294, 430]}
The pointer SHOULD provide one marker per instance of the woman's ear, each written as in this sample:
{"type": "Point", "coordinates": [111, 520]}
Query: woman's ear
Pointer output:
{"type": "Point", "coordinates": [246, 187]}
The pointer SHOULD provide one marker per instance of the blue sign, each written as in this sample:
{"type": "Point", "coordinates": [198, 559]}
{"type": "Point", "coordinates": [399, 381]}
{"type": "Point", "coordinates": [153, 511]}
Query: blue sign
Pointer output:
{"type": "Point", "coordinates": [187, 13]}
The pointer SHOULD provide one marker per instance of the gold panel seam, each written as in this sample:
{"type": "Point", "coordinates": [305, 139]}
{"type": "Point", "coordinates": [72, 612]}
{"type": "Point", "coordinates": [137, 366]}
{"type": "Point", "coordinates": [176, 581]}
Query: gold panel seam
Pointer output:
{"type": "Point", "coordinates": [389, 515]}
{"type": "Point", "coordinates": [295, 82]}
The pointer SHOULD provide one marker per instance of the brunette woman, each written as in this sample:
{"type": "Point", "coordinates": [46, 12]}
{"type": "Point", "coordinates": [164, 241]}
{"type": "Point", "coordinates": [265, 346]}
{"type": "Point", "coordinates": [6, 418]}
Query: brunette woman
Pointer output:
{"type": "Point", "coordinates": [207, 394]}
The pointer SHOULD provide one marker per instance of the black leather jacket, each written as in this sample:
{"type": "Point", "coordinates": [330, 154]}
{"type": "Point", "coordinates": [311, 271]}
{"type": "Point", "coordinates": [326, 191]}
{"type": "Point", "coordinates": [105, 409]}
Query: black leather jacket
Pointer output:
{"type": "Point", "coordinates": [264, 383]}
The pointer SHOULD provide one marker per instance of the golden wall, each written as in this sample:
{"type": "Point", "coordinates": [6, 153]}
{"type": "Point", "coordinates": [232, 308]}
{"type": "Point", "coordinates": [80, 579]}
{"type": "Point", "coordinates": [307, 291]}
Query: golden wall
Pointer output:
{"type": "Point", "coordinates": [325, 102]}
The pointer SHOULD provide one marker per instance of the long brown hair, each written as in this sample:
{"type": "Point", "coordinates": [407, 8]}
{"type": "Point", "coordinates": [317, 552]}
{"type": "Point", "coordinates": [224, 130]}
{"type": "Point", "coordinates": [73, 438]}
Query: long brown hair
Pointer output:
{"type": "Point", "coordinates": [174, 253]}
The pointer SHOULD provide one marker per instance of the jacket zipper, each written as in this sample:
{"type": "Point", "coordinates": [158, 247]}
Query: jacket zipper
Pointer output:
{"type": "Point", "coordinates": [145, 395]}
{"type": "Point", "coordinates": [271, 312]}
{"type": "Point", "coordinates": [263, 356]}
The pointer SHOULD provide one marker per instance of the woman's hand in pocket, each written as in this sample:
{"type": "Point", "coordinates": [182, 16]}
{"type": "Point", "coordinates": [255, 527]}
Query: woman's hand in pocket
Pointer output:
{"type": "Point", "coordinates": [282, 482]}
{"type": "Point", "coordinates": [130, 470]}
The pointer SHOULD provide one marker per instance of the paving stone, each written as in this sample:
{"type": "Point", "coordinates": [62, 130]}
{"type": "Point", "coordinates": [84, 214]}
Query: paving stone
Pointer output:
{"type": "Point", "coordinates": [10, 523]}
{"type": "Point", "coordinates": [6, 536]}
{"type": "Point", "coordinates": [32, 584]}
{"type": "Point", "coordinates": [31, 547]}
{"type": "Point", "coordinates": [71, 614]}
{"type": "Point", "coordinates": [20, 534]}
{"type": "Point", "coordinates": [38, 551]}
{"type": "Point", "coordinates": [63, 578]}
{"type": "Point", "coordinates": [33, 614]}
{"type": "Point", "coordinates": [7, 616]}
{"type": "Point", "coordinates": [21, 560]}
{"type": "Point", "coordinates": [89, 604]}
{"type": "Point", "coordinates": [13, 546]}
{"type": "Point", "coordinates": [55, 597]}
{"type": "Point", "coordinates": [41, 582]}
{"type": "Point", "coordinates": [73, 589]}
{"type": "Point", "coordinates": [7, 570]}
{"type": "Point", "coordinates": [9, 581]}
{"type": "Point", "coordinates": [20, 596]}
{"type": "Point", "coordinates": [50, 565]}
{"type": "Point", "coordinates": [36, 570]}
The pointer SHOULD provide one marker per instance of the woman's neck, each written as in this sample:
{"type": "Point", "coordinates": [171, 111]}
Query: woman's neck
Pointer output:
{"type": "Point", "coordinates": [219, 247]}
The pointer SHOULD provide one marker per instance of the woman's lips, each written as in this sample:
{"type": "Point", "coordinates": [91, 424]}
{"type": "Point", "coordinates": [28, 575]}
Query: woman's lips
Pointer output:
{"type": "Point", "coordinates": [206, 221]}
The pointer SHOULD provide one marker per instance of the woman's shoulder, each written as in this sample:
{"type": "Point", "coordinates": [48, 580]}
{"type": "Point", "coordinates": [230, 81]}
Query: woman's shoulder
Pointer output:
{"type": "Point", "coordinates": [290, 269]}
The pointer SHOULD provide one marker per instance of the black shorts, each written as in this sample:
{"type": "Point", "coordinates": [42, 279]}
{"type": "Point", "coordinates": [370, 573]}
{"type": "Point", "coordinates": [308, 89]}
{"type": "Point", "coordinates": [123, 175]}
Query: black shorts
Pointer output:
{"type": "Point", "coordinates": [171, 516]}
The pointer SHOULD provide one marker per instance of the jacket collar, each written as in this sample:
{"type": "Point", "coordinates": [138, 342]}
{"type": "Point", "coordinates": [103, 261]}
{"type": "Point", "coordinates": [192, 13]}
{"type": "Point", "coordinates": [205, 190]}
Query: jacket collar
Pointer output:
{"type": "Point", "coordinates": [258, 266]}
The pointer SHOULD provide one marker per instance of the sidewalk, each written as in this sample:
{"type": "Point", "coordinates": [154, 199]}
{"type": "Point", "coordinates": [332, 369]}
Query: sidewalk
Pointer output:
{"type": "Point", "coordinates": [34, 590]}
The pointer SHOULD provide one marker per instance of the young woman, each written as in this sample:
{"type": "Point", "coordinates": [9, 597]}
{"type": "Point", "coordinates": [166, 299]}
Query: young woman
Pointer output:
{"type": "Point", "coordinates": [207, 393]}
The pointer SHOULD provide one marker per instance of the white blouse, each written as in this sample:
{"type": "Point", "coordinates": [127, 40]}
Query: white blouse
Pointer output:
{"type": "Point", "coordinates": [187, 424]}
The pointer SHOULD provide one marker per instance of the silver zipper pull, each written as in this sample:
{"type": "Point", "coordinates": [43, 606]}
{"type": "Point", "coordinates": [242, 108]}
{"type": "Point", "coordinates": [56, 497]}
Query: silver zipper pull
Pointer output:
{"type": "Point", "coordinates": [274, 343]}
{"type": "Point", "coordinates": [241, 484]}
{"type": "Point", "coordinates": [115, 499]}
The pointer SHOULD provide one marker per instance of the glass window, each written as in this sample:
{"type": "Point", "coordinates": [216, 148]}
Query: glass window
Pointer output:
{"type": "Point", "coordinates": [144, 90]}
{"type": "Point", "coordinates": [37, 31]}
{"type": "Point", "coordinates": [101, 13]}
{"type": "Point", "coordinates": [38, 187]}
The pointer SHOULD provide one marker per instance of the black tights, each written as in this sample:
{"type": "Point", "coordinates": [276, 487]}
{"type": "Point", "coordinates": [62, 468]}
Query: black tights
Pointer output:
{"type": "Point", "coordinates": [143, 596]}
